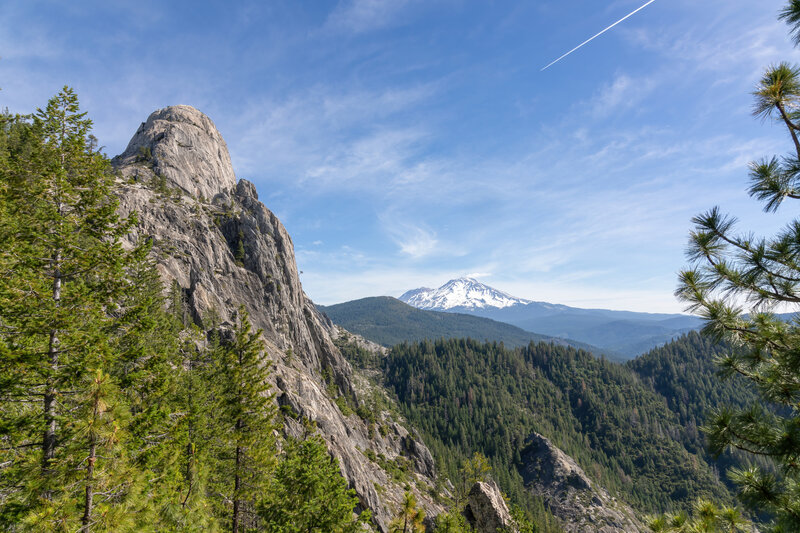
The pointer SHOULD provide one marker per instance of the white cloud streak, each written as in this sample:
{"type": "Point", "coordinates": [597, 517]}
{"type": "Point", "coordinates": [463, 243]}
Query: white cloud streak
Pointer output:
{"type": "Point", "coordinates": [590, 39]}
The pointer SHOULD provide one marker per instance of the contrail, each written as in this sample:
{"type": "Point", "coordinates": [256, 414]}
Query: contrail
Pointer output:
{"type": "Point", "coordinates": [599, 34]}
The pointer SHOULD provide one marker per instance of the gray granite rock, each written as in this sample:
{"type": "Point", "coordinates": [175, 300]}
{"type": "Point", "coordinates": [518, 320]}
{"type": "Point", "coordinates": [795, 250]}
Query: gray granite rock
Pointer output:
{"type": "Point", "coordinates": [183, 146]}
{"type": "Point", "coordinates": [225, 249]}
{"type": "Point", "coordinates": [570, 495]}
{"type": "Point", "coordinates": [486, 510]}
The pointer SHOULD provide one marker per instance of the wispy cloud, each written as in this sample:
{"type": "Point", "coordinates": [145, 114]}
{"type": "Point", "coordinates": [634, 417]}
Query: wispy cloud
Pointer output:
{"type": "Point", "coordinates": [359, 16]}
{"type": "Point", "coordinates": [720, 45]}
{"type": "Point", "coordinates": [623, 93]}
{"type": "Point", "coordinates": [412, 239]}
{"type": "Point", "coordinates": [417, 243]}
{"type": "Point", "coordinates": [478, 275]}
{"type": "Point", "coordinates": [331, 137]}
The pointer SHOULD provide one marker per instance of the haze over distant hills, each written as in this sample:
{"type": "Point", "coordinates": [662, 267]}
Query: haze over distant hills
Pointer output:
{"type": "Point", "coordinates": [388, 321]}
{"type": "Point", "coordinates": [625, 332]}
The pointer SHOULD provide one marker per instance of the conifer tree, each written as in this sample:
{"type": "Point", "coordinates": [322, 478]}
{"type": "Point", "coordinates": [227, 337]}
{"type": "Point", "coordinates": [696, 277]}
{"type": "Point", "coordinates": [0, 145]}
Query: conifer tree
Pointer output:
{"type": "Point", "coordinates": [195, 435]}
{"type": "Point", "coordinates": [410, 518]}
{"type": "Point", "coordinates": [155, 372]}
{"type": "Point", "coordinates": [63, 271]}
{"type": "Point", "coordinates": [245, 415]}
{"type": "Point", "coordinates": [472, 470]}
{"type": "Point", "coordinates": [735, 284]}
{"type": "Point", "coordinates": [452, 522]}
{"type": "Point", "coordinates": [707, 517]}
{"type": "Point", "coordinates": [309, 494]}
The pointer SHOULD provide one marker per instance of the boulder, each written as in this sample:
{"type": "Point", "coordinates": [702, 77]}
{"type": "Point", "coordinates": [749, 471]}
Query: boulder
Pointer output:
{"type": "Point", "coordinates": [486, 510]}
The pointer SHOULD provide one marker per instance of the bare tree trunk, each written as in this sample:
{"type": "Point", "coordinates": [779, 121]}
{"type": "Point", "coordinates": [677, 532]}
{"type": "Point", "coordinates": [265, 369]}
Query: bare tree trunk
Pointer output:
{"type": "Point", "coordinates": [236, 488]}
{"type": "Point", "coordinates": [49, 439]}
{"type": "Point", "coordinates": [88, 502]}
{"type": "Point", "coordinates": [89, 498]}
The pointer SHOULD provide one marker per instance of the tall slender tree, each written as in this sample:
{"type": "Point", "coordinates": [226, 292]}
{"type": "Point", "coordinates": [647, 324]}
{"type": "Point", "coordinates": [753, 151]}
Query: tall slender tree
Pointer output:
{"type": "Point", "coordinates": [309, 494]}
{"type": "Point", "coordinates": [63, 271]}
{"type": "Point", "coordinates": [409, 518]}
{"type": "Point", "coordinates": [245, 414]}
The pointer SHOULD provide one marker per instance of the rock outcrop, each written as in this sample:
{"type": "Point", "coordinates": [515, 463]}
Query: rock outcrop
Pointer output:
{"type": "Point", "coordinates": [224, 249]}
{"type": "Point", "coordinates": [570, 495]}
{"type": "Point", "coordinates": [486, 510]}
{"type": "Point", "coordinates": [183, 145]}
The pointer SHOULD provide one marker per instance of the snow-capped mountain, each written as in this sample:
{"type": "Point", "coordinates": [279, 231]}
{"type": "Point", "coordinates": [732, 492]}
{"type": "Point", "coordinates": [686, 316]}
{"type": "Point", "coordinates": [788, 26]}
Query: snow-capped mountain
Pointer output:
{"type": "Point", "coordinates": [461, 293]}
{"type": "Point", "coordinates": [626, 333]}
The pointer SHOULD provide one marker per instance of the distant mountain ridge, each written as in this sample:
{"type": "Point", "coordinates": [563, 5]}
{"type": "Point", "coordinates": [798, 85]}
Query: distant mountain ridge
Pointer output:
{"type": "Point", "coordinates": [624, 332]}
{"type": "Point", "coordinates": [388, 321]}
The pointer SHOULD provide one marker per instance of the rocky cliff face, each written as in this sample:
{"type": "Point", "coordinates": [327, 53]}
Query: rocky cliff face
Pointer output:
{"type": "Point", "coordinates": [225, 249]}
{"type": "Point", "coordinates": [570, 495]}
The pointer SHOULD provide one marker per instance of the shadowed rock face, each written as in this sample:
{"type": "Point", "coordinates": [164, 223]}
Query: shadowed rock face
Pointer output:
{"type": "Point", "coordinates": [570, 495]}
{"type": "Point", "coordinates": [225, 249]}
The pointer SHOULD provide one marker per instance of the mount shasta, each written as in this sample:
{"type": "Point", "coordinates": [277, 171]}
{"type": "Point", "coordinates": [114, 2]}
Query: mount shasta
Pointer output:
{"type": "Point", "coordinates": [624, 333]}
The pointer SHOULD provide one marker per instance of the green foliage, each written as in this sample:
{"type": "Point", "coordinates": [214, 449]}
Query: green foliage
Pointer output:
{"type": "Point", "coordinates": [466, 396]}
{"type": "Point", "coordinates": [239, 253]}
{"type": "Point", "coordinates": [361, 357]}
{"type": "Point", "coordinates": [707, 518]}
{"type": "Point", "coordinates": [684, 374]}
{"type": "Point", "coordinates": [526, 524]}
{"type": "Point", "coordinates": [245, 418]}
{"type": "Point", "coordinates": [729, 271]}
{"type": "Point", "coordinates": [308, 494]}
{"type": "Point", "coordinates": [409, 518]}
{"type": "Point", "coordinates": [472, 470]}
{"type": "Point", "coordinates": [145, 154]}
{"type": "Point", "coordinates": [63, 272]}
{"type": "Point", "coordinates": [451, 522]}
{"type": "Point", "coordinates": [116, 411]}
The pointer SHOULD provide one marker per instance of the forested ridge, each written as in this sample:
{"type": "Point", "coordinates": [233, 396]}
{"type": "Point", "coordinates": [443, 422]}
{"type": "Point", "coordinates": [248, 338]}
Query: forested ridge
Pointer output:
{"type": "Point", "coordinates": [388, 321]}
{"type": "Point", "coordinates": [633, 428]}
{"type": "Point", "coordinates": [684, 373]}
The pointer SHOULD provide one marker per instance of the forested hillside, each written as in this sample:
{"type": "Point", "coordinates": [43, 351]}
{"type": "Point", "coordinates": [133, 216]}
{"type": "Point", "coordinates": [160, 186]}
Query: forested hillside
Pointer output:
{"type": "Point", "coordinates": [634, 428]}
{"type": "Point", "coordinates": [683, 372]}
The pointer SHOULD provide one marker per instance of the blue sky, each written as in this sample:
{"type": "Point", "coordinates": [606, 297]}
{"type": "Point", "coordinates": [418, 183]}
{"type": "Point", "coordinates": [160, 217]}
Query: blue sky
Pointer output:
{"type": "Point", "coordinates": [407, 142]}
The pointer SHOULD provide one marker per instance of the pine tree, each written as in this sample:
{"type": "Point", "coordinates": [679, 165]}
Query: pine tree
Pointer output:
{"type": "Point", "coordinates": [63, 271]}
{"type": "Point", "coordinates": [472, 470]}
{"type": "Point", "coordinates": [245, 414]}
{"type": "Point", "coordinates": [410, 518]}
{"type": "Point", "coordinates": [195, 436]}
{"type": "Point", "coordinates": [707, 517]}
{"type": "Point", "coordinates": [309, 494]}
{"type": "Point", "coordinates": [155, 369]}
{"type": "Point", "coordinates": [735, 283]}
{"type": "Point", "coordinates": [452, 522]}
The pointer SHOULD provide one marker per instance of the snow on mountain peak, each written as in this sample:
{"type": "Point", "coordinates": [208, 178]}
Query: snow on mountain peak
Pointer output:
{"type": "Point", "coordinates": [462, 293]}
